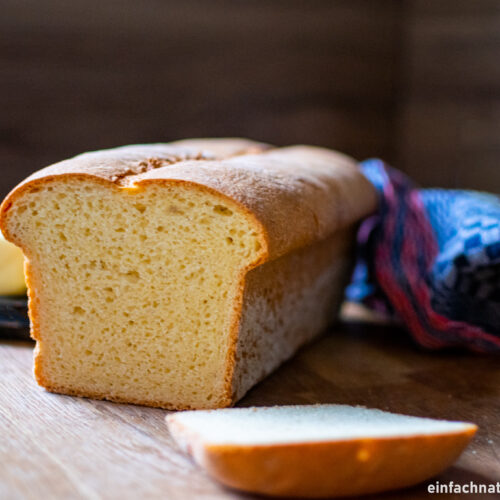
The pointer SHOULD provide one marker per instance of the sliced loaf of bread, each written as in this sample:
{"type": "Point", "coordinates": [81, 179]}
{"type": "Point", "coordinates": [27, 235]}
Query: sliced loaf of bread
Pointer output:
{"type": "Point", "coordinates": [178, 275]}
{"type": "Point", "coordinates": [318, 450]}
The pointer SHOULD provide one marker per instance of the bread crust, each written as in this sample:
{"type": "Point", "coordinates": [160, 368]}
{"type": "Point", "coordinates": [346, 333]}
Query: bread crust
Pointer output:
{"type": "Point", "coordinates": [287, 302]}
{"type": "Point", "coordinates": [319, 190]}
{"type": "Point", "coordinates": [342, 468]}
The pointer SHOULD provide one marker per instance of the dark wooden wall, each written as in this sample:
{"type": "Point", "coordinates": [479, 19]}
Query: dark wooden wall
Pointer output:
{"type": "Point", "coordinates": [415, 82]}
{"type": "Point", "coordinates": [86, 74]}
{"type": "Point", "coordinates": [448, 127]}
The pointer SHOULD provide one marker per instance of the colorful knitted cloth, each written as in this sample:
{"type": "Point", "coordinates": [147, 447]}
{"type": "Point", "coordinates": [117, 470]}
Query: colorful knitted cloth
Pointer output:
{"type": "Point", "coordinates": [431, 257]}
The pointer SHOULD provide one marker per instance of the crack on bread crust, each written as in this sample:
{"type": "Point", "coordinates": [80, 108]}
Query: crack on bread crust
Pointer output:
{"type": "Point", "coordinates": [156, 162]}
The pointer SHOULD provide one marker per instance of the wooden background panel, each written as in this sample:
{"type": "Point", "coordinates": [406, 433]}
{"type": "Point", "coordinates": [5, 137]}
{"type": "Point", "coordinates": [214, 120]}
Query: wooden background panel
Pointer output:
{"type": "Point", "coordinates": [449, 113]}
{"type": "Point", "coordinates": [84, 75]}
{"type": "Point", "coordinates": [416, 82]}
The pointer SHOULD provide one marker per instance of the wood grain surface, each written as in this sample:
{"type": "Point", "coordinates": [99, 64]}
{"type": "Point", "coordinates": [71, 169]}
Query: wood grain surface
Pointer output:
{"type": "Point", "coordinates": [60, 447]}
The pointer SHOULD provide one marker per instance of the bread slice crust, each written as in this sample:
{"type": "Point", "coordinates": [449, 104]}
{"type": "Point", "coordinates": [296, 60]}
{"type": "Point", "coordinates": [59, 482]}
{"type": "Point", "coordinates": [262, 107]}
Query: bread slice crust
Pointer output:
{"type": "Point", "coordinates": [336, 469]}
{"type": "Point", "coordinates": [347, 467]}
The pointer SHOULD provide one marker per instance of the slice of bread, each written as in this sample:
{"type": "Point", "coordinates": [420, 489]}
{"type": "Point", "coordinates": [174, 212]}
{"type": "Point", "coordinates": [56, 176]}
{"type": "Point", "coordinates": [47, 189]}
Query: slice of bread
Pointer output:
{"type": "Point", "coordinates": [318, 450]}
{"type": "Point", "coordinates": [178, 275]}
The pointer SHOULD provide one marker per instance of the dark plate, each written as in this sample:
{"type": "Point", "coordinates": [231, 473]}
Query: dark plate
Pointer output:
{"type": "Point", "coordinates": [14, 322]}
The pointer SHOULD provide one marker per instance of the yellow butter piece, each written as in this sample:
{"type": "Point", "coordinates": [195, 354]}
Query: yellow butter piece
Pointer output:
{"type": "Point", "coordinates": [11, 269]}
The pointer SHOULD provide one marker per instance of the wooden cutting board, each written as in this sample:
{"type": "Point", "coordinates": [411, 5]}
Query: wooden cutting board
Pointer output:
{"type": "Point", "coordinates": [54, 446]}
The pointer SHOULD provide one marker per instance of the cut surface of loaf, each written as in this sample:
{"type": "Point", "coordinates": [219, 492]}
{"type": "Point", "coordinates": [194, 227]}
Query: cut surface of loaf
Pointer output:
{"type": "Point", "coordinates": [178, 275]}
{"type": "Point", "coordinates": [318, 450]}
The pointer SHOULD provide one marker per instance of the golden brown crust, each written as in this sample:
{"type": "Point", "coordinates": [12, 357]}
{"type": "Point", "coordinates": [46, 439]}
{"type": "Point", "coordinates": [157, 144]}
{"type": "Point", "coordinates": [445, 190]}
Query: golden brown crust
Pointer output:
{"type": "Point", "coordinates": [115, 164]}
{"type": "Point", "coordinates": [320, 190]}
{"type": "Point", "coordinates": [327, 469]}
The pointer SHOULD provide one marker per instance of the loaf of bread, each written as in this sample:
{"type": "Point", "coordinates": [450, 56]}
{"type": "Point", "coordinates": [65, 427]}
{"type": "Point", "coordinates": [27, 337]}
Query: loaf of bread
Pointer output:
{"type": "Point", "coordinates": [178, 275]}
{"type": "Point", "coordinates": [318, 451]}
